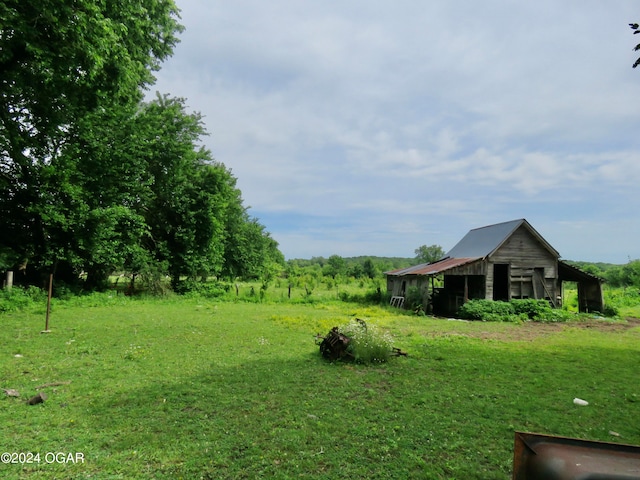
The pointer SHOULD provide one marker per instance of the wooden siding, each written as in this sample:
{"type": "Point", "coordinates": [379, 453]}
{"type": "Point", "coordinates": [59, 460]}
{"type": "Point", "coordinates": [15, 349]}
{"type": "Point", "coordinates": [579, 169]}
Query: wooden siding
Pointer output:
{"type": "Point", "coordinates": [396, 288]}
{"type": "Point", "coordinates": [533, 269]}
{"type": "Point", "coordinates": [475, 268]}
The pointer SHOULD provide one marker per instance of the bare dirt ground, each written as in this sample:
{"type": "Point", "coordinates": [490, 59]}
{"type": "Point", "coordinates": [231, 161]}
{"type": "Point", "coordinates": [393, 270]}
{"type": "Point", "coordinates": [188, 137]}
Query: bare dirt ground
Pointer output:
{"type": "Point", "coordinates": [533, 330]}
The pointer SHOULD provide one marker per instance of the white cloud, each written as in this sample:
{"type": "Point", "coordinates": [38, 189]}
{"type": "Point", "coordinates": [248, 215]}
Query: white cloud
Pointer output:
{"type": "Point", "coordinates": [419, 120]}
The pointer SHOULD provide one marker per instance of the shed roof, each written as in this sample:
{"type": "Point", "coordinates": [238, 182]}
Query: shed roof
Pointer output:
{"type": "Point", "coordinates": [482, 242]}
{"type": "Point", "coordinates": [570, 273]}
{"type": "Point", "coordinates": [432, 268]}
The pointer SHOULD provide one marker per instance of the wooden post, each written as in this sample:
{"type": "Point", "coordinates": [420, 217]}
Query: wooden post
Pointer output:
{"type": "Point", "coordinates": [9, 280]}
{"type": "Point", "coordinates": [466, 288]}
{"type": "Point", "coordinates": [46, 326]}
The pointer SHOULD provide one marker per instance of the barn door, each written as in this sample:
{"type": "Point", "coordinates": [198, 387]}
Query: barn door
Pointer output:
{"type": "Point", "coordinates": [501, 284]}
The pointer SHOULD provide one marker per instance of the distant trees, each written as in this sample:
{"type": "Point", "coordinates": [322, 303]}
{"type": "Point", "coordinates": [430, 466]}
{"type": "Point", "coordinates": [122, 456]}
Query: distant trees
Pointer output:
{"type": "Point", "coordinates": [627, 275]}
{"type": "Point", "coordinates": [429, 254]}
{"type": "Point", "coordinates": [369, 268]}
{"type": "Point", "coordinates": [335, 266]}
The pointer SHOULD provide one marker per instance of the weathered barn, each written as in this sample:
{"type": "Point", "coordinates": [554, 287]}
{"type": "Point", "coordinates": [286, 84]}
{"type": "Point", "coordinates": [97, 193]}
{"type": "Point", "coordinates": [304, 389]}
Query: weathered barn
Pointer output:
{"type": "Point", "coordinates": [498, 262]}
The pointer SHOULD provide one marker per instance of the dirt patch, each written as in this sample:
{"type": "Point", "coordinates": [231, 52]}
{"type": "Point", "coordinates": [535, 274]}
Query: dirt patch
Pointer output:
{"type": "Point", "coordinates": [534, 330]}
{"type": "Point", "coordinates": [608, 326]}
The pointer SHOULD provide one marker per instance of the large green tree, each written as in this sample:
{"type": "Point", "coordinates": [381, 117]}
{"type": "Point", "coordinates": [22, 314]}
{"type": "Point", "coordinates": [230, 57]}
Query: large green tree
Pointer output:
{"type": "Point", "coordinates": [60, 60]}
{"type": "Point", "coordinates": [132, 191]}
{"type": "Point", "coordinates": [91, 178]}
{"type": "Point", "coordinates": [181, 198]}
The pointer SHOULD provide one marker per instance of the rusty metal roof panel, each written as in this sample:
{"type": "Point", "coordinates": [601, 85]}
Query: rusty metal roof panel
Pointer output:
{"type": "Point", "coordinates": [433, 268]}
{"type": "Point", "coordinates": [545, 457]}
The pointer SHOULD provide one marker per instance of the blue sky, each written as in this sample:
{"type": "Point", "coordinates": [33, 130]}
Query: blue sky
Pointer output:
{"type": "Point", "coordinates": [371, 128]}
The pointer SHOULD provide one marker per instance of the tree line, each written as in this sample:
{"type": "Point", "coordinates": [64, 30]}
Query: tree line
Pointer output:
{"type": "Point", "coordinates": [92, 178]}
{"type": "Point", "coordinates": [627, 275]}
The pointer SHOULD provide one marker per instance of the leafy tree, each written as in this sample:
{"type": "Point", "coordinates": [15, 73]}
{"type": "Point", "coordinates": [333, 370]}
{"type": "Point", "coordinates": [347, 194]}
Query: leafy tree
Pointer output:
{"type": "Point", "coordinates": [96, 186]}
{"type": "Point", "coordinates": [429, 254]}
{"type": "Point", "coordinates": [62, 57]}
{"type": "Point", "coordinates": [93, 180]}
{"type": "Point", "coordinates": [59, 61]}
{"type": "Point", "coordinates": [335, 266]}
{"type": "Point", "coordinates": [631, 274]}
{"type": "Point", "coordinates": [179, 199]}
{"type": "Point", "coordinates": [369, 268]}
{"type": "Point", "coordinates": [250, 251]}
{"type": "Point", "coordinates": [355, 270]}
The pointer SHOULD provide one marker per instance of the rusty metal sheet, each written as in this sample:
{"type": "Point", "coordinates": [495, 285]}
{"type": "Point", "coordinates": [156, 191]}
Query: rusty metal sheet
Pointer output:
{"type": "Point", "coordinates": [432, 268]}
{"type": "Point", "coordinates": [538, 457]}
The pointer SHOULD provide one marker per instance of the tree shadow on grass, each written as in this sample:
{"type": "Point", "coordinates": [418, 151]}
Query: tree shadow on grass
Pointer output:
{"type": "Point", "coordinates": [449, 414]}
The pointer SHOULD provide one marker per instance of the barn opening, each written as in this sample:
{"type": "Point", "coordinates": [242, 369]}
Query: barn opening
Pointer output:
{"type": "Point", "coordinates": [501, 290]}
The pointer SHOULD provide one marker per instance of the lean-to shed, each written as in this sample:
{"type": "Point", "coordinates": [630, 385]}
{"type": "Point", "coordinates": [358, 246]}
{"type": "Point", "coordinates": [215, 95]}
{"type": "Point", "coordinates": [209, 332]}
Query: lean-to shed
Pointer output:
{"type": "Point", "coordinates": [498, 262]}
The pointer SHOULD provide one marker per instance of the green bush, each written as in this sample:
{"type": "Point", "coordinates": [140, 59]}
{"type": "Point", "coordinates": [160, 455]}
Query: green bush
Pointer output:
{"type": "Point", "coordinates": [514, 311]}
{"type": "Point", "coordinates": [486, 310]}
{"type": "Point", "coordinates": [370, 297]}
{"type": "Point", "coordinates": [532, 308]}
{"type": "Point", "coordinates": [193, 288]}
{"type": "Point", "coordinates": [414, 299]}
{"type": "Point", "coordinates": [18, 298]}
{"type": "Point", "coordinates": [621, 297]}
{"type": "Point", "coordinates": [368, 344]}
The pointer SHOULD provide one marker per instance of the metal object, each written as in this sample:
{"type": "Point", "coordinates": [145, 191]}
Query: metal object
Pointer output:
{"type": "Point", "coordinates": [334, 346]}
{"type": "Point", "coordinates": [538, 457]}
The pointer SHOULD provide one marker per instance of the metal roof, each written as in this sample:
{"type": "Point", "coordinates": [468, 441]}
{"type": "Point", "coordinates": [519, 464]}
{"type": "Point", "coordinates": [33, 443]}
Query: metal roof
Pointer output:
{"type": "Point", "coordinates": [570, 273]}
{"type": "Point", "coordinates": [481, 242]}
{"type": "Point", "coordinates": [476, 244]}
{"type": "Point", "coordinates": [432, 268]}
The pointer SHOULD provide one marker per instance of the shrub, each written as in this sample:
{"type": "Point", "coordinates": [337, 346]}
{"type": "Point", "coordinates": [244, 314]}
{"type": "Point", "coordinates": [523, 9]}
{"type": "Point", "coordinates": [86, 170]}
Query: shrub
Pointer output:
{"type": "Point", "coordinates": [368, 344]}
{"type": "Point", "coordinates": [513, 311]}
{"type": "Point", "coordinates": [486, 310]}
{"type": "Point", "coordinates": [18, 298]}
{"type": "Point", "coordinates": [193, 288]}
{"type": "Point", "coordinates": [370, 297]}
{"type": "Point", "coordinates": [414, 299]}
{"type": "Point", "coordinates": [611, 311]}
{"type": "Point", "coordinates": [532, 308]}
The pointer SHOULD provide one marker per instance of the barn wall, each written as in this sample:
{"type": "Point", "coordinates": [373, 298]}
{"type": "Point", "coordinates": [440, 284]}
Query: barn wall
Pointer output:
{"type": "Point", "coordinates": [475, 268]}
{"type": "Point", "coordinates": [396, 288]}
{"type": "Point", "coordinates": [590, 297]}
{"type": "Point", "coordinates": [533, 268]}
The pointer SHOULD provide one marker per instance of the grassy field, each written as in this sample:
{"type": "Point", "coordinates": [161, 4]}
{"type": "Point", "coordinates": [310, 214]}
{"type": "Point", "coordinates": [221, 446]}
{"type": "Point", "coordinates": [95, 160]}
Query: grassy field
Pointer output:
{"type": "Point", "coordinates": [195, 389]}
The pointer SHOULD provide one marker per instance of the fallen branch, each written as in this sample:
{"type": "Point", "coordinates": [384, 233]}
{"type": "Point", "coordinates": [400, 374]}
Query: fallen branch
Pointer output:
{"type": "Point", "coordinates": [397, 352]}
{"type": "Point", "coordinates": [54, 384]}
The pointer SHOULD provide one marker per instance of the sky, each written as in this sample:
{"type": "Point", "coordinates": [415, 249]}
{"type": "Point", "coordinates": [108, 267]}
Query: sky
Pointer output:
{"type": "Point", "coordinates": [360, 127]}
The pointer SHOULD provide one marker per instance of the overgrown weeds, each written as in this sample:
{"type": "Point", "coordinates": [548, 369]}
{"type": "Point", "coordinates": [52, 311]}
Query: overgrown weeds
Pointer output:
{"type": "Point", "coordinates": [368, 343]}
{"type": "Point", "coordinates": [518, 310]}
{"type": "Point", "coordinates": [17, 298]}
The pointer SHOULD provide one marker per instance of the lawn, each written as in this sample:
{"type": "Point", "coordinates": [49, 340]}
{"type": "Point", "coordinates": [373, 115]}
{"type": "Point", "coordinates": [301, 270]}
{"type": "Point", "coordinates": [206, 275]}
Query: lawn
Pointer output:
{"type": "Point", "coordinates": [195, 389]}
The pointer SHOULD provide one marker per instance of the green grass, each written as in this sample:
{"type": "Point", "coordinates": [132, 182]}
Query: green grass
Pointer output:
{"type": "Point", "coordinates": [197, 389]}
